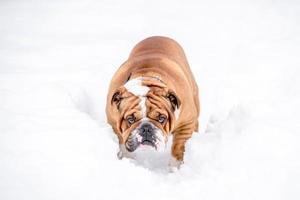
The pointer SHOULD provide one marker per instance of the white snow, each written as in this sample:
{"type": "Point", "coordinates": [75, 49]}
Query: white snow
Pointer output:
{"type": "Point", "coordinates": [57, 58]}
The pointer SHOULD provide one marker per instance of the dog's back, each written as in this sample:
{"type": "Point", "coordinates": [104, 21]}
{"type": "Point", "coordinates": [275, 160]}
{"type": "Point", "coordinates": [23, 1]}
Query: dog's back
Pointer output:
{"type": "Point", "coordinates": [160, 45]}
{"type": "Point", "coordinates": [167, 48]}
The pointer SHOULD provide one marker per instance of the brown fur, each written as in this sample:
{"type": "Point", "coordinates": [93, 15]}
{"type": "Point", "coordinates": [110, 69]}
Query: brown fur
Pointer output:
{"type": "Point", "coordinates": [163, 57]}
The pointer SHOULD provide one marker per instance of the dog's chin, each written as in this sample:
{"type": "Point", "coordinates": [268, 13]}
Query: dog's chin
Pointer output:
{"type": "Point", "coordinates": [146, 145]}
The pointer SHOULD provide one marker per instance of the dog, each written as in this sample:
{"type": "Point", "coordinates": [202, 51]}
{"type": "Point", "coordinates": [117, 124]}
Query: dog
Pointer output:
{"type": "Point", "coordinates": [151, 96]}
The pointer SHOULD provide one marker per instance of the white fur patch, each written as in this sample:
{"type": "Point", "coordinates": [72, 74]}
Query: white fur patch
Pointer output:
{"type": "Point", "coordinates": [135, 87]}
{"type": "Point", "coordinates": [136, 135]}
{"type": "Point", "coordinates": [177, 113]}
{"type": "Point", "coordinates": [143, 106]}
{"type": "Point", "coordinates": [161, 141]}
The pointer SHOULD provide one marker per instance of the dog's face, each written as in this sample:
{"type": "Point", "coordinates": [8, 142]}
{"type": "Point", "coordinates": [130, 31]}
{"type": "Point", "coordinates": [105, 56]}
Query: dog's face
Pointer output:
{"type": "Point", "coordinates": [144, 111]}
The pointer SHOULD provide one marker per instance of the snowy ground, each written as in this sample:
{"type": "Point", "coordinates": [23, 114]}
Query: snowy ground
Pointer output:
{"type": "Point", "coordinates": [56, 60]}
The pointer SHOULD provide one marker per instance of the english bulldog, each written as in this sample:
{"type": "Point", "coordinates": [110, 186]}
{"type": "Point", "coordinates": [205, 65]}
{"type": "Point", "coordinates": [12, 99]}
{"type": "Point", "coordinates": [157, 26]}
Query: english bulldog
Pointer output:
{"type": "Point", "coordinates": [151, 96]}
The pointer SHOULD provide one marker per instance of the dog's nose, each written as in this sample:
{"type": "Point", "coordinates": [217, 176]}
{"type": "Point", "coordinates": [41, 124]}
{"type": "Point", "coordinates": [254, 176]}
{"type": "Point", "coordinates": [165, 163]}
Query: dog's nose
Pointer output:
{"type": "Point", "coordinates": [147, 131]}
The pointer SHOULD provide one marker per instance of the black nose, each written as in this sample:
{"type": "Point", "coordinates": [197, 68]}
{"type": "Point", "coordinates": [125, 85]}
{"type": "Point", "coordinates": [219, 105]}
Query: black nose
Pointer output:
{"type": "Point", "coordinates": [146, 131]}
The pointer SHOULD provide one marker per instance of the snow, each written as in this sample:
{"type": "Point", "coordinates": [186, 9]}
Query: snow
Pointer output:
{"type": "Point", "coordinates": [57, 58]}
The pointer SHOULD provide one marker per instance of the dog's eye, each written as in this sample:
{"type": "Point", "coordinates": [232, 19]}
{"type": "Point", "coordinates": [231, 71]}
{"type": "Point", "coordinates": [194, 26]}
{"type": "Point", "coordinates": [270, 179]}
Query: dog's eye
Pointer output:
{"type": "Point", "coordinates": [161, 119]}
{"type": "Point", "coordinates": [130, 119]}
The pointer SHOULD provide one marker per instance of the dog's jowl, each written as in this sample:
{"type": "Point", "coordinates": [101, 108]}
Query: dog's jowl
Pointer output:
{"type": "Point", "coordinates": [151, 96]}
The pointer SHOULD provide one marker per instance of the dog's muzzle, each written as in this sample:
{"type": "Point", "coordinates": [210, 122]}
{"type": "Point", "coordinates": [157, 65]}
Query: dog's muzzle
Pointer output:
{"type": "Point", "coordinates": [146, 134]}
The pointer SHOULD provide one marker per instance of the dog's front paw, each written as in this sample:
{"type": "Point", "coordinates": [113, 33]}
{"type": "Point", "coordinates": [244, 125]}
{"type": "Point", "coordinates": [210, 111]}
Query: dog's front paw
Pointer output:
{"type": "Point", "coordinates": [124, 153]}
{"type": "Point", "coordinates": [174, 164]}
{"type": "Point", "coordinates": [120, 154]}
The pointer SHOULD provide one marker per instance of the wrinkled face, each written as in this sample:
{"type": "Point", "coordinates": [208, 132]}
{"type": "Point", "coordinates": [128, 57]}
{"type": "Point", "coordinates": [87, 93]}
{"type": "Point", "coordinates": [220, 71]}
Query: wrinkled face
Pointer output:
{"type": "Point", "coordinates": [145, 111]}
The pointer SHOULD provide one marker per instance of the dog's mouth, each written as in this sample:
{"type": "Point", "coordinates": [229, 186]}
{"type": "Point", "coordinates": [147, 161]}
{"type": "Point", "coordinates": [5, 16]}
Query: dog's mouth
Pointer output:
{"type": "Point", "coordinates": [148, 143]}
{"type": "Point", "coordinates": [132, 145]}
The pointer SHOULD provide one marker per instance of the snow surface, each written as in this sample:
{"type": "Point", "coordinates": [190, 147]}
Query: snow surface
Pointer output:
{"type": "Point", "coordinates": [57, 58]}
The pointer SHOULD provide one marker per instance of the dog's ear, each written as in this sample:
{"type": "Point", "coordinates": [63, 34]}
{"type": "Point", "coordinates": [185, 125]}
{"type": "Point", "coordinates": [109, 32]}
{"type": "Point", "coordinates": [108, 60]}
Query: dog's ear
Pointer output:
{"type": "Point", "coordinates": [174, 100]}
{"type": "Point", "coordinates": [116, 98]}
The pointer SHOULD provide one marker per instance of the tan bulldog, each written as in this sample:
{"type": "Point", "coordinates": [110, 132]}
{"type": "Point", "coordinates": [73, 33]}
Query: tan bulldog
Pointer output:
{"type": "Point", "coordinates": [151, 96]}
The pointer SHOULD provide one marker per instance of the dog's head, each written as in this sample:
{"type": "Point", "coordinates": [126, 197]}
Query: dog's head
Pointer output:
{"type": "Point", "coordinates": [143, 112]}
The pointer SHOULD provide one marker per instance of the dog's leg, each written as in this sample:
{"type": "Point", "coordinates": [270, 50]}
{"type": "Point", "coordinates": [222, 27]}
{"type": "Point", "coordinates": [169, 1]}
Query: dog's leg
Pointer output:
{"type": "Point", "coordinates": [180, 136]}
{"type": "Point", "coordinates": [124, 153]}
